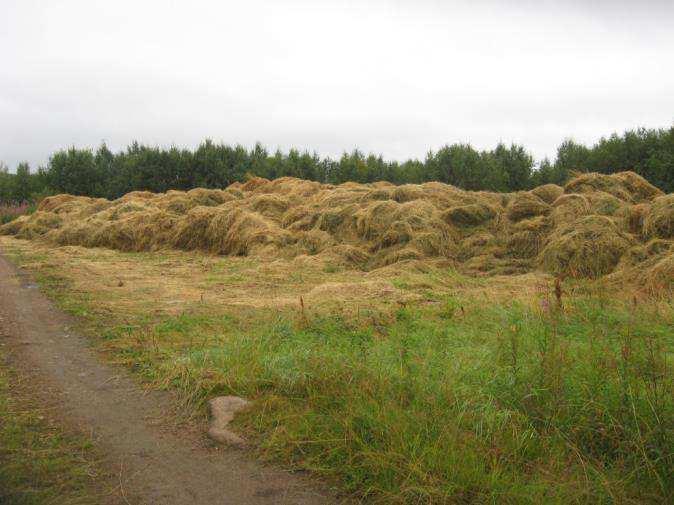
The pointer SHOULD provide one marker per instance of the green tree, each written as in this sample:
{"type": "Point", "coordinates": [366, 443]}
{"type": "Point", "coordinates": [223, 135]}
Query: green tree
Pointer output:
{"type": "Point", "coordinates": [571, 157]}
{"type": "Point", "coordinates": [74, 171]}
{"type": "Point", "coordinates": [463, 166]}
{"type": "Point", "coordinates": [517, 165]}
{"type": "Point", "coordinates": [23, 187]}
{"type": "Point", "coordinates": [6, 190]}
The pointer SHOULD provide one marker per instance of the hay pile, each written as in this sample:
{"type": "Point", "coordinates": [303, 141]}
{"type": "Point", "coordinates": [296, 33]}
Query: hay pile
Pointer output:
{"type": "Point", "coordinates": [594, 226]}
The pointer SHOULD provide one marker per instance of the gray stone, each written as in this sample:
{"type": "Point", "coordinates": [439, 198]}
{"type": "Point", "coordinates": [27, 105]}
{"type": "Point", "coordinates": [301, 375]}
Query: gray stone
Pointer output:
{"type": "Point", "coordinates": [223, 409]}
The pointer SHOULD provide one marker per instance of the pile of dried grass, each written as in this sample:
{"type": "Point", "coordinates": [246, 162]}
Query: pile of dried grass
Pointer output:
{"type": "Point", "coordinates": [627, 186]}
{"type": "Point", "coordinates": [548, 192]}
{"type": "Point", "coordinates": [587, 247]}
{"type": "Point", "coordinates": [659, 222]}
{"type": "Point", "coordinates": [524, 205]}
{"type": "Point", "coordinates": [595, 225]}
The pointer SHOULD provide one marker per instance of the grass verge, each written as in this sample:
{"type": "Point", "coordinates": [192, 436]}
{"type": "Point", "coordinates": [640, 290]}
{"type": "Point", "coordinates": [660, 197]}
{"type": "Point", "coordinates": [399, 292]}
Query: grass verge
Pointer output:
{"type": "Point", "coordinates": [40, 463]}
{"type": "Point", "coordinates": [449, 398]}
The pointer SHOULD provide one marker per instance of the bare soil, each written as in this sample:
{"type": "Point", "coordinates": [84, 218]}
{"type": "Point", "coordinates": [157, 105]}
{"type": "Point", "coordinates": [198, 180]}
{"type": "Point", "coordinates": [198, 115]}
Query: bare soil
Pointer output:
{"type": "Point", "coordinates": [152, 463]}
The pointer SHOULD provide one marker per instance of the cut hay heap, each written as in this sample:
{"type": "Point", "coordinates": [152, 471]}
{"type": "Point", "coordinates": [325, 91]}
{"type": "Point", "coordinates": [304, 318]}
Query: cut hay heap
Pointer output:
{"type": "Point", "coordinates": [594, 226]}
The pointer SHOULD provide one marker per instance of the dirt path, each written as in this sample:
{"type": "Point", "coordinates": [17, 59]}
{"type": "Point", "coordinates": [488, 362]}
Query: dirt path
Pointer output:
{"type": "Point", "coordinates": [155, 465]}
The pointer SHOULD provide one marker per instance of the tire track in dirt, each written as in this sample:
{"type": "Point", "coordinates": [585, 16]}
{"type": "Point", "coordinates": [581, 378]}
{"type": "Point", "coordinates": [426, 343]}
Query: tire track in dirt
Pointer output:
{"type": "Point", "coordinates": [155, 465]}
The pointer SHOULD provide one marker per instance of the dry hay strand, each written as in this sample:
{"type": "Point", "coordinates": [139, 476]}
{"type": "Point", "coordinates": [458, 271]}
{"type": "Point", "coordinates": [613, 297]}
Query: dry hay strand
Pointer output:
{"type": "Point", "coordinates": [548, 192]}
{"type": "Point", "coordinates": [315, 241]}
{"type": "Point", "coordinates": [139, 195]}
{"type": "Point", "coordinates": [475, 214]}
{"type": "Point", "coordinates": [376, 194]}
{"type": "Point", "coordinates": [640, 189]}
{"type": "Point", "coordinates": [294, 189]}
{"type": "Point", "coordinates": [334, 220]}
{"type": "Point", "coordinates": [80, 233]}
{"type": "Point", "coordinates": [14, 226]}
{"type": "Point", "coordinates": [627, 186]}
{"type": "Point", "coordinates": [407, 193]}
{"type": "Point", "coordinates": [487, 197]}
{"type": "Point", "coordinates": [382, 184]}
{"type": "Point", "coordinates": [346, 255]}
{"type": "Point", "coordinates": [209, 197]}
{"type": "Point", "coordinates": [40, 223]}
{"type": "Point", "coordinates": [588, 247]}
{"type": "Point", "coordinates": [76, 207]}
{"type": "Point", "coordinates": [269, 205]}
{"type": "Point", "coordinates": [659, 222]}
{"type": "Point", "coordinates": [176, 203]}
{"type": "Point", "coordinates": [568, 208]}
{"type": "Point", "coordinates": [192, 230]}
{"type": "Point", "coordinates": [658, 277]}
{"type": "Point", "coordinates": [440, 243]}
{"type": "Point", "coordinates": [151, 230]}
{"type": "Point", "coordinates": [226, 229]}
{"type": "Point", "coordinates": [605, 204]}
{"type": "Point", "coordinates": [524, 205]}
{"type": "Point", "coordinates": [254, 184]}
{"type": "Point", "coordinates": [475, 245]}
{"type": "Point", "coordinates": [234, 191]}
{"type": "Point", "coordinates": [126, 206]}
{"type": "Point", "coordinates": [444, 196]}
{"type": "Point", "coordinates": [591, 182]}
{"type": "Point", "coordinates": [342, 291]}
{"type": "Point", "coordinates": [399, 232]}
{"type": "Point", "coordinates": [389, 223]}
{"type": "Point", "coordinates": [659, 246]}
{"type": "Point", "coordinates": [352, 225]}
{"type": "Point", "coordinates": [299, 218]}
{"type": "Point", "coordinates": [340, 196]}
{"type": "Point", "coordinates": [239, 232]}
{"type": "Point", "coordinates": [396, 256]}
{"type": "Point", "coordinates": [526, 238]}
{"type": "Point", "coordinates": [50, 203]}
{"type": "Point", "coordinates": [654, 275]}
{"type": "Point", "coordinates": [644, 252]}
{"type": "Point", "coordinates": [490, 264]}
{"type": "Point", "coordinates": [374, 220]}
{"type": "Point", "coordinates": [145, 231]}
{"type": "Point", "coordinates": [635, 217]}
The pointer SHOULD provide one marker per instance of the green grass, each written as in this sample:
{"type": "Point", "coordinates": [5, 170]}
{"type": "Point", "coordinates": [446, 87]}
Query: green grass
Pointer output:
{"type": "Point", "coordinates": [450, 400]}
{"type": "Point", "coordinates": [462, 402]}
{"type": "Point", "coordinates": [39, 462]}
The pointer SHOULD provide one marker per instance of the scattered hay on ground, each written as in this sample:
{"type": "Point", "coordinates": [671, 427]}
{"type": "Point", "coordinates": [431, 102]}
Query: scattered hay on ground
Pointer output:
{"type": "Point", "coordinates": [548, 192]}
{"type": "Point", "coordinates": [469, 215]}
{"type": "Point", "coordinates": [627, 186]}
{"type": "Point", "coordinates": [588, 228]}
{"type": "Point", "coordinates": [588, 247]}
{"type": "Point", "coordinates": [524, 205]}
{"type": "Point", "coordinates": [567, 208]}
{"type": "Point", "coordinates": [659, 222]}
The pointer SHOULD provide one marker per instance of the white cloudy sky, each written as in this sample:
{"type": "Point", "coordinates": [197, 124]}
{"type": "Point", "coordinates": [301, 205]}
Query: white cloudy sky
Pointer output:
{"type": "Point", "coordinates": [391, 77]}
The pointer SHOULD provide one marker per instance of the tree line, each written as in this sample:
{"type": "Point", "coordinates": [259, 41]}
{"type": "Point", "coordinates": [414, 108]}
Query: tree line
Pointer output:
{"type": "Point", "coordinates": [102, 173]}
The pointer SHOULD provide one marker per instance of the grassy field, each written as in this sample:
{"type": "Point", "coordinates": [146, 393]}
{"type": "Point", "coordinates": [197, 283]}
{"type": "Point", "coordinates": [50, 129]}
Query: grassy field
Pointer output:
{"type": "Point", "coordinates": [408, 384]}
{"type": "Point", "coordinates": [39, 462]}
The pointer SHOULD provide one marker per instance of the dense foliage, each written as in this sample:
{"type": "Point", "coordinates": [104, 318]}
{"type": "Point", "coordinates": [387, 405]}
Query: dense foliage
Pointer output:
{"type": "Point", "coordinates": [649, 152]}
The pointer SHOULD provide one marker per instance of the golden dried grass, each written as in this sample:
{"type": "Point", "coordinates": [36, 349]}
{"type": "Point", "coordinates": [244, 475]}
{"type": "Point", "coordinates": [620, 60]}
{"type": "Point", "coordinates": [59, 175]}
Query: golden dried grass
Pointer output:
{"type": "Point", "coordinates": [659, 222]}
{"type": "Point", "coordinates": [590, 247]}
{"type": "Point", "coordinates": [589, 228]}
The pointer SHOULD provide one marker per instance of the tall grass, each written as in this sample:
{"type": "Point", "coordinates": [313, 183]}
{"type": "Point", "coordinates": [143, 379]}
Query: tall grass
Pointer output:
{"type": "Point", "coordinates": [460, 401]}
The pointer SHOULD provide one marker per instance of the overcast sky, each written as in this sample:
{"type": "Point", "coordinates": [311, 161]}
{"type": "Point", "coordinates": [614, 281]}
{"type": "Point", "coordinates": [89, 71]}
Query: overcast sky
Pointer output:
{"type": "Point", "coordinates": [390, 77]}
